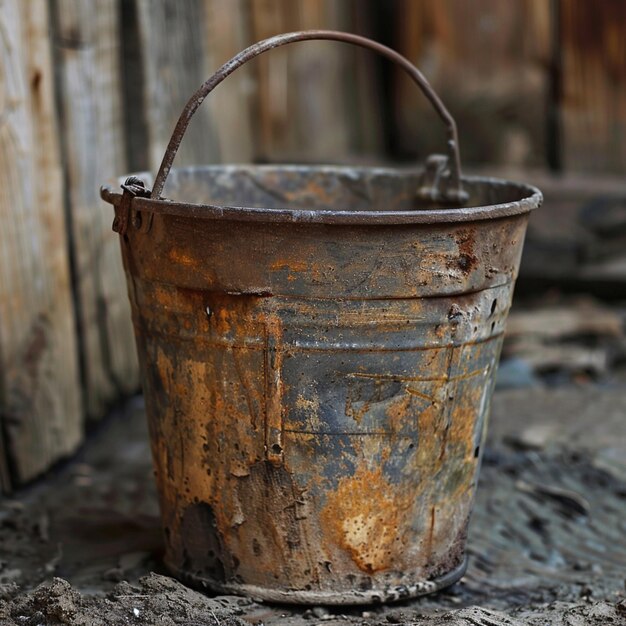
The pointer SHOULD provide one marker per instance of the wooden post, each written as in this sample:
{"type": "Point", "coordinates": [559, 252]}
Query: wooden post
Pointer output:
{"type": "Point", "coordinates": [488, 61]}
{"type": "Point", "coordinates": [174, 64]}
{"type": "Point", "coordinates": [39, 381]}
{"type": "Point", "coordinates": [301, 94]}
{"type": "Point", "coordinates": [593, 89]}
{"type": "Point", "coordinates": [227, 31]}
{"type": "Point", "coordinates": [86, 39]}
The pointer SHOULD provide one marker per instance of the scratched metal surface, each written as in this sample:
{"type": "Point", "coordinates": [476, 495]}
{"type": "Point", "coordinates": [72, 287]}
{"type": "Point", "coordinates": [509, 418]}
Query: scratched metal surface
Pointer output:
{"type": "Point", "coordinates": [317, 393]}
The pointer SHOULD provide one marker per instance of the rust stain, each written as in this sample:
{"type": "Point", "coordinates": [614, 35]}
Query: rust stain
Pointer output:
{"type": "Point", "coordinates": [418, 394]}
{"type": "Point", "coordinates": [273, 357]}
{"type": "Point", "coordinates": [399, 411]}
{"type": "Point", "coordinates": [310, 406]}
{"type": "Point", "coordinates": [289, 264]}
{"type": "Point", "coordinates": [178, 256]}
{"type": "Point", "coordinates": [294, 268]}
{"type": "Point", "coordinates": [467, 259]}
{"type": "Point", "coordinates": [366, 520]}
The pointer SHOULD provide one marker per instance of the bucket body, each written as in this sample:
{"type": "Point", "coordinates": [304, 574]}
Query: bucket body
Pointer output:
{"type": "Point", "coordinates": [318, 378]}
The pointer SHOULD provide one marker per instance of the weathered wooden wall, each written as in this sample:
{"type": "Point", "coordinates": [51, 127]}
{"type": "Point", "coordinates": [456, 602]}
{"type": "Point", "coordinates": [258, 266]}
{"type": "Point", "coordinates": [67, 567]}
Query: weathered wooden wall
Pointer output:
{"type": "Point", "coordinates": [593, 85]}
{"type": "Point", "coordinates": [488, 60]}
{"type": "Point", "coordinates": [314, 101]}
{"type": "Point", "coordinates": [39, 380]}
{"type": "Point", "coordinates": [90, 89]}
{"type": "Point", "coordinates": [86, 47]}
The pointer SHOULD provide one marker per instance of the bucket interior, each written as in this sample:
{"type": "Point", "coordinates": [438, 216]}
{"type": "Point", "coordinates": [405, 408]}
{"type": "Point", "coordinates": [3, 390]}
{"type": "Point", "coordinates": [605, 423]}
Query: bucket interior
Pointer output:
{"type": "Point", "coordinates": [333, 188]}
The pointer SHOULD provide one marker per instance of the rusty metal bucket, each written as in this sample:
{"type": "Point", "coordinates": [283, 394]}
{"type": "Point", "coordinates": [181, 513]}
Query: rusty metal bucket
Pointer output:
{"type": "Point", "coordinates": [318, 349]}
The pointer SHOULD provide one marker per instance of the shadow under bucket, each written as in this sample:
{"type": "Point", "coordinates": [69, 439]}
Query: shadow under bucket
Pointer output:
{"type": "Point", "coordinates": [318, 348]}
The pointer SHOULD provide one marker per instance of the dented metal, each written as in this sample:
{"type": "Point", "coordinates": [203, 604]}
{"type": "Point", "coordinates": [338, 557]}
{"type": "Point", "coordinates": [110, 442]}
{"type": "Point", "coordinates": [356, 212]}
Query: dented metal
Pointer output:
{"type": "Point", "coordinates": [318, 350]}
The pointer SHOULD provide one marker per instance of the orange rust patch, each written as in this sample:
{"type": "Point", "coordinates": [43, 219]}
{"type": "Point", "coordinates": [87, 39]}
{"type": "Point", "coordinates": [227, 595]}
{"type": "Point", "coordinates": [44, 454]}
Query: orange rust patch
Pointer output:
{"type": "Point", "coordinates": [463, 420]}
{"type": "Point", "coordinates": [356, 410]}
{"type": "Point", "coordinates": [467, 259]}
{"type": "Point", "coordinates": [309, 406]}
{"type": "Point", "coordinates": [365, 521]}
{"type": "Point", "coordinates": [292, 266]}
{"type": "Point", "coordinates": [177, 256]}
{"type": "Point", "coordinates": [289, 264]}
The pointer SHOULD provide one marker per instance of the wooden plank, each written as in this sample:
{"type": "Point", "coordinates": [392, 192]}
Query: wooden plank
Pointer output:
{"type": "Point", "coordinates": [364, 88]}
{"type": "Point", "coordinates": [488, 61]}
{"type": "Point", "coordinates": [593, 89]}
{"type": "Point", "coordinates": [40, 401]}
{"type": "Point", "coordinates": [174, 60]}
{"type": "Point", "coordinates": [227, 31]}
{"type": "Point", "coordinates": [310, 102]}
{"type": "Point", "coordinates": [88, 71]}
{"type": "Point", "coordinates": [301, 96]}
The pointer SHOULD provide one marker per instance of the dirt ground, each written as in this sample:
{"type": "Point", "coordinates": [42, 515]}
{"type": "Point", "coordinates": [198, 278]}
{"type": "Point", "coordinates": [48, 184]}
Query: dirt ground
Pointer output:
{"type": "Point", "coordinates": [547, 543]}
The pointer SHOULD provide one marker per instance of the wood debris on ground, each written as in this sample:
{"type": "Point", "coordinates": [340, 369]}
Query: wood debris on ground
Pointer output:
{"type": "Point", "coordinates": [575, 336]}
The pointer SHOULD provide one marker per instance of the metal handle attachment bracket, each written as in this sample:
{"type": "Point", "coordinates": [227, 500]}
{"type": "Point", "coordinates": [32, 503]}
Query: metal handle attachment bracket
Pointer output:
{"type": "Point", "coordinates": [133, 187]}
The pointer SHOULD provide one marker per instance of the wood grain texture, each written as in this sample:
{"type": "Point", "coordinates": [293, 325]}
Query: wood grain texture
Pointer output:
{"type": "Point", "coordinates": [302, 101]}
{"type": "Point", "coordinates": [227, 31]}
{"type": "Point", "coordinates": [40, 400]}
{"type": "Point", "coordinates": [89, 93]}
{"type": "Point", "coordinates": [593, 98]}
{"type": "Point", "coordinates": [488, 61]}
{"type": "Point", "coordinates": [363, 84]}
{"type": "Point", "coordinates": [174, 56]}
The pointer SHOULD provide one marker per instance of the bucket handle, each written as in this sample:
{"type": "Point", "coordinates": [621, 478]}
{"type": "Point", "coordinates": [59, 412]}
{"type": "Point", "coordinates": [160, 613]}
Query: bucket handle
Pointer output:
{"type": "Point", "coordinates": [453, 191]}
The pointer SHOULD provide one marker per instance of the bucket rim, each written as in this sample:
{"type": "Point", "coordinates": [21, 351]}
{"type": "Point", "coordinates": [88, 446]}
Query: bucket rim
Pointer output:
{"type": "Point", "coordinates": [531, 199]}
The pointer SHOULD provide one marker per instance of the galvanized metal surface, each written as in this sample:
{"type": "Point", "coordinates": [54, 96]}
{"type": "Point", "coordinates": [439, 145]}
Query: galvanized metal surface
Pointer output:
{"type": "Point", "coordinates": [317, 393]}
{"type": "Point", "coordinates": [387, 198]}
{"type": "Point", "coordinates": [318, 349]}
